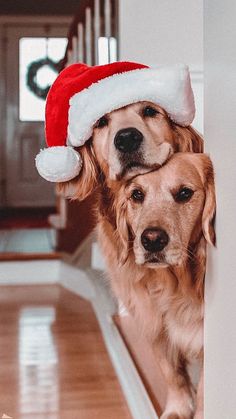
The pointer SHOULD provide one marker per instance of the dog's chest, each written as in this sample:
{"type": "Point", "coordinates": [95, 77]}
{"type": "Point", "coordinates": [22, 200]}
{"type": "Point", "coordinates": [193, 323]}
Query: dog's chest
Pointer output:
{"type": "Point", "coordinates": [180, 317]}
{"type": "Point", "coordinates": [184, 324]}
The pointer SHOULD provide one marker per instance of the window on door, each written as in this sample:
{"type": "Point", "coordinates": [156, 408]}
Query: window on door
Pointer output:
{"type": "Point", "coordinates": [39, 58]}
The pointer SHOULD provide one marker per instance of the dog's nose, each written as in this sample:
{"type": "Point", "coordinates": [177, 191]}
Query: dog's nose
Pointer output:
{"type": "Point", "coordinates": [128, 140]}
{"type": "Point", "coordinates": [154, 239]}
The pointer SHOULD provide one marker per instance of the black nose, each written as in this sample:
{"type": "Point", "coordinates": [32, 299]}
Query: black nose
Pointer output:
{"type": "Point", "coordinates": [154, 239]}
{"type": "Point", "coordinates": [128, 140]}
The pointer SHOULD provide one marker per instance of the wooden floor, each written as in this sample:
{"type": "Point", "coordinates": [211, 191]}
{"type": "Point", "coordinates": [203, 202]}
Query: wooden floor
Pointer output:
{"type": "Point", "coordinates": [53, 361]}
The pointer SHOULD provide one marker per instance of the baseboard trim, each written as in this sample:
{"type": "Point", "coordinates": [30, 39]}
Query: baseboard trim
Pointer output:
{"type": "Point", "coordinates": [133, 388]}
{"type": "Point", "coordinates": [76, 280]}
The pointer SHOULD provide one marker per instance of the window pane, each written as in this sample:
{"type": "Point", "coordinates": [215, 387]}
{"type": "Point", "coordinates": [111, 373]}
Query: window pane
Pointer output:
{"type": "Point", "coordinates": [31, 107]}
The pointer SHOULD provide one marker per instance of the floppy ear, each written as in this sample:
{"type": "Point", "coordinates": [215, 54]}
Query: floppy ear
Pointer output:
{"type": "Point", "coordinates": [84, 184]}
{"type": "Point", "coordinates": [198, 267]}
{"type": "Point", "coordinates": [205, 169]}
{"type": "Point", "coordinates": [208, 216]}
{"type": "Point", "coordinates": [122, 231]}
{"type": "Point", "coordinates": [188, 139]}
{"type": "Point", "coordinates": [209, 210]}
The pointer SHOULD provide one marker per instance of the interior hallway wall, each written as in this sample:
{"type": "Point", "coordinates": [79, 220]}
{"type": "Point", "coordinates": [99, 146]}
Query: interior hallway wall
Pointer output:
{"type": "Point", "coordinates": [220, 134]}
{"type": "Point", "coordinates": [162, 33]}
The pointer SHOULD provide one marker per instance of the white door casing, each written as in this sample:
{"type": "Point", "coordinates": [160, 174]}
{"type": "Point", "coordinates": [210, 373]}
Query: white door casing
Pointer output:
{"type": "Point", "coordinates": [24, 187]}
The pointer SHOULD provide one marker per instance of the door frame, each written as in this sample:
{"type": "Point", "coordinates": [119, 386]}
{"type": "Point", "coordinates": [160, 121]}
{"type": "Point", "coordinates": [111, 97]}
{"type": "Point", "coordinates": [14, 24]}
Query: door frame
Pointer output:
{"type": "Point", "coordinates": [6, 22]}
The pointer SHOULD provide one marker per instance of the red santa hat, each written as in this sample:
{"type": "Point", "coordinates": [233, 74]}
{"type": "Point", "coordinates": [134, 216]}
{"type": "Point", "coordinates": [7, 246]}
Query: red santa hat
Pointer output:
{"type": "Point", "coordinates": [82, 94]}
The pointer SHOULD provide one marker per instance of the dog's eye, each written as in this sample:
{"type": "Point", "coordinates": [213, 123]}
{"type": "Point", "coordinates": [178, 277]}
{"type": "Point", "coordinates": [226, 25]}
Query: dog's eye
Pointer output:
{"type": "Point", "coordinates": [102, 122]}
{"type": "Point", "coordinates": [137, 195]}
{"type": "Point", "coordinates": [149, 111]}
{"type": "Point", "coordinates": [184, 195]}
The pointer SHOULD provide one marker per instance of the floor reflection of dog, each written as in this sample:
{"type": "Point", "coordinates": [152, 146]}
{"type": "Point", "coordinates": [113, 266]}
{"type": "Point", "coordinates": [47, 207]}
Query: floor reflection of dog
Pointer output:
{"type": "Point", "coordinates": [154, 242]}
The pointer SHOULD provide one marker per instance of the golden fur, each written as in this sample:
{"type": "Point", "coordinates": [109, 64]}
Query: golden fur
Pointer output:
{"type": "Point", "coordinates": [101, 160]}
{"type": "Point", "coordinates": [146, 292]}
{"type": "Point", "coordinates": [166, 297]}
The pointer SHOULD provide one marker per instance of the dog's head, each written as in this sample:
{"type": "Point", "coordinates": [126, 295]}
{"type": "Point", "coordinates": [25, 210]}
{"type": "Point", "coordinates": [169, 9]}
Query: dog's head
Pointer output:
{"type": "Point", "coordinates": [131, 140]}
{"type": "Point", "coordinates": [165, 213]}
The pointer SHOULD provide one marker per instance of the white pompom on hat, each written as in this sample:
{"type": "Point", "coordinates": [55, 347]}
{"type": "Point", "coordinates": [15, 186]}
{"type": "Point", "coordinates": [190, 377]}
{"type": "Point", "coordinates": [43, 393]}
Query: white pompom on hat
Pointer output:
{"type": "Point", "coordinates": [82, 94]}
{"type": "Point", "coordinates": [65, 163]}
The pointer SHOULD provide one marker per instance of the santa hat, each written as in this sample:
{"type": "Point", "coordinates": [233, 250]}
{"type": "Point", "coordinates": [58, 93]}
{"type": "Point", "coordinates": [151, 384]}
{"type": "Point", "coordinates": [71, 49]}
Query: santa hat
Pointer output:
{"type": "Point", "coordinates": [82, 94]}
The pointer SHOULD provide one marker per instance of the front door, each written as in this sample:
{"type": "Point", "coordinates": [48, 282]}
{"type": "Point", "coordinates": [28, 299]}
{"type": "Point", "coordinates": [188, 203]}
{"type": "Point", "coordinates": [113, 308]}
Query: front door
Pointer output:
{"type": "Point", "coordinates": [25, 110]}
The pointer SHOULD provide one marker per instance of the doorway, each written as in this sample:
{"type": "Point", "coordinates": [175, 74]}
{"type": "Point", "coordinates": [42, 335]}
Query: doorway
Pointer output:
{"type": "Point", "coordinates": [26, 47]}
{"type": "Point", "coordinates": [27, 198]}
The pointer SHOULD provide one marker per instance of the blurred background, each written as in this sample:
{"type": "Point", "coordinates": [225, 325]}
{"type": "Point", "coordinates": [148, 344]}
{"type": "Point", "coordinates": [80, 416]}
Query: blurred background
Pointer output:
{"type": "Point", "coordinates": [56, 310]}
{"type": "Point", "coordinates": [37, 41]}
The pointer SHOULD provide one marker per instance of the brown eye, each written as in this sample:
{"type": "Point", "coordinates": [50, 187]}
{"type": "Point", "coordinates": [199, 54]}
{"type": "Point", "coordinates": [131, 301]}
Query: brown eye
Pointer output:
{"type": "Point", "coordinates": [137, 195]}
{"type": "Point", "coordinates": [102, 122]}
{"type": "Point", "coordinates": [184, 194]}
{"type": "Point", "coordinates": [149, 111]}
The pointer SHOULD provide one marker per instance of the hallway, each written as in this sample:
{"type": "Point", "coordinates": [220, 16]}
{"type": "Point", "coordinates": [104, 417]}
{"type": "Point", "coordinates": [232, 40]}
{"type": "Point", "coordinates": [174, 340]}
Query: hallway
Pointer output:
{"type": "Point", "coordinates": [54, 363]}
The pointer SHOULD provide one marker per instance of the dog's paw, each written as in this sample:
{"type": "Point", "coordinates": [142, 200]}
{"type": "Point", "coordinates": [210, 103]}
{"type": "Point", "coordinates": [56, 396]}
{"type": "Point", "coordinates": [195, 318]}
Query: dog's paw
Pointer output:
{"type": "Point", "coordinates": [199, 415]}
{"type": "Point", "coordinates": [179, 406]}
{"type": "Point", "coordinates": [172, 415]}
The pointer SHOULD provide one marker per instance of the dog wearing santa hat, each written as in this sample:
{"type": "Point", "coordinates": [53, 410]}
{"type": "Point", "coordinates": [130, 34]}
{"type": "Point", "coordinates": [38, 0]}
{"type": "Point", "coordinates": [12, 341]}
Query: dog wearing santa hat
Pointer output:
{"type": "Point", "coordinates": [114, 121]}
{"type": "Point", "coordinates": [107, 124]}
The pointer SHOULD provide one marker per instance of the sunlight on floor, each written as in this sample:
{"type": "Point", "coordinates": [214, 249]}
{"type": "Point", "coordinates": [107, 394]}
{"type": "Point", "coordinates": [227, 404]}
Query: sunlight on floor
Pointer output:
{"type": "Point", "coordinates": [54, 364]}
{"type": "Point", "coordinates": [38, 361]}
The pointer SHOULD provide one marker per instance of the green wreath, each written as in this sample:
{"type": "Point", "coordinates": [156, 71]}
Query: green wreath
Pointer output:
{"type": "Point", "coordinates": [31, 76]}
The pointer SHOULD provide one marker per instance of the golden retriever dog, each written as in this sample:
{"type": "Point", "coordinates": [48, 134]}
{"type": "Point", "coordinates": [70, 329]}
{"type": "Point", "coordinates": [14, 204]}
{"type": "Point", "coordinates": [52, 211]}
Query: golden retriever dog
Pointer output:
{"type": "Point", "coordinates": [134, 139]}
{"type": "Point", "coordinates": [153, 235]}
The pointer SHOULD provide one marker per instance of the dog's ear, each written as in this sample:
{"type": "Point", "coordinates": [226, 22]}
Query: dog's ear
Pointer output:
{"type": "Point", "coordinates": [188, 139]}
{"type": "Point", "coordinates": [84, 184]}
{"type": "Point", "coordinates": [208, 216]}
{"type": "Point", "coordinates": [198, 267]}
{"type": "Point", "coordinates": [122, 230]}
{"type": "Point", "coordinates": [205, 169]}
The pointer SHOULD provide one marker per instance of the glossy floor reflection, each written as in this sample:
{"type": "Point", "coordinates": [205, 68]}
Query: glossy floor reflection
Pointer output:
{"type": "Point", "coordinates": [53, 362]}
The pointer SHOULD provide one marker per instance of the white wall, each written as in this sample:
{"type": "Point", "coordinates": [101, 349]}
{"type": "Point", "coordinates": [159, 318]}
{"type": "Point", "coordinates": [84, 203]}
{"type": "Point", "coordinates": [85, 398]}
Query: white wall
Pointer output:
{"type": "Point", "coordinates": [165, 32]}
{"type": "Point", "coordinates": [220, 138]}
{"type": "Point", "coordinates": [161, 32]}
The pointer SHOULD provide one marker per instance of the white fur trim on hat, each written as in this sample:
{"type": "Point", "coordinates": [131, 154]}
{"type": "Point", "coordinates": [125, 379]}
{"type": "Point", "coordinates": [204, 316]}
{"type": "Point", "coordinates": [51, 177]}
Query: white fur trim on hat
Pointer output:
{"type": "Point", "coordinates": [169, 87]}
{"type": "Point", "coordinates": [58, 164]}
